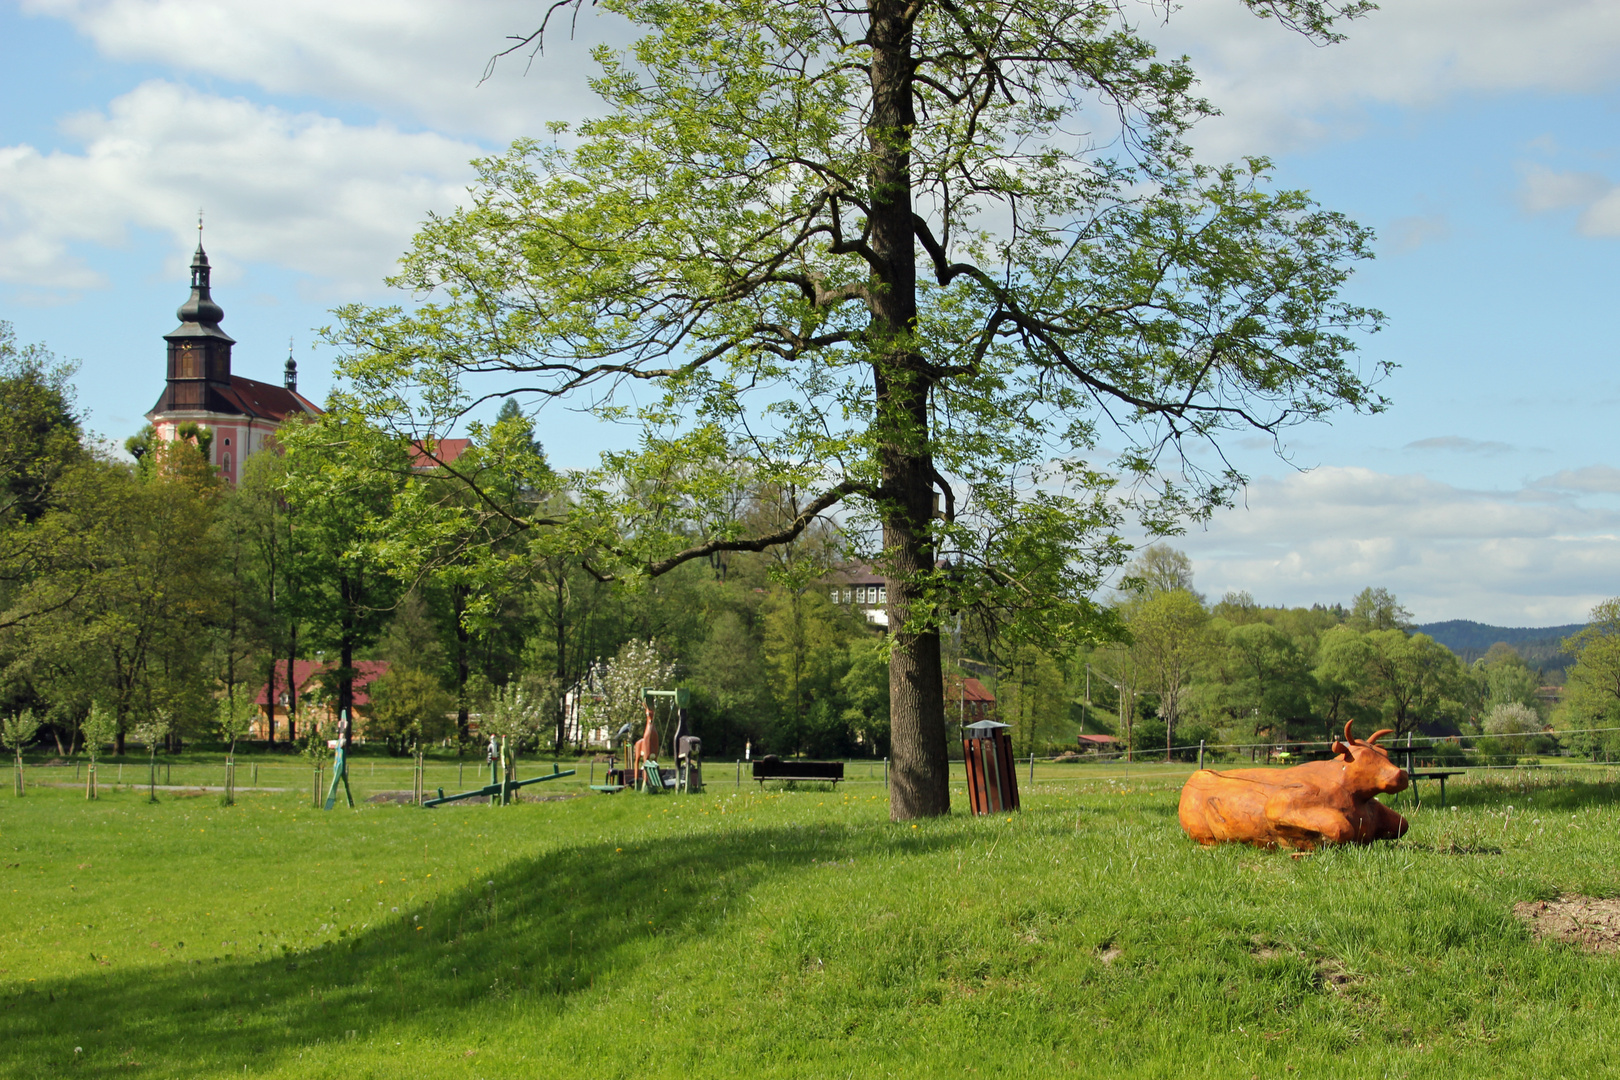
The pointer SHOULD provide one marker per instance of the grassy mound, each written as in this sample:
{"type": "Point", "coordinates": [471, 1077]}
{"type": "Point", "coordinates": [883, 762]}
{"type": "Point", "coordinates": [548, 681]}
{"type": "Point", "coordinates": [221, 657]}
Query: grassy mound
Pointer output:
{"type": "Point", "coordinates": [791, 934]}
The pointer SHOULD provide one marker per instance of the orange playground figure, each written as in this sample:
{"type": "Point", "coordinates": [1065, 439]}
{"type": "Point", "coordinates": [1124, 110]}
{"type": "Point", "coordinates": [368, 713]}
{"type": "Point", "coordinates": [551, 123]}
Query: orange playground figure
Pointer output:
{"type": "Point", "coordinates": [1304, 807]}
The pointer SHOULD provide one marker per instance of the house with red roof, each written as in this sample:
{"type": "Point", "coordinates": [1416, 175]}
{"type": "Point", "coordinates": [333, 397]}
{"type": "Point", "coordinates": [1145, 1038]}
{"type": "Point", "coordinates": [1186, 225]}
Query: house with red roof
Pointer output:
{"type": "Point", "coordinates": [431, 453]}
{"type": "Point", "coordinates": [306, 676]}
{"type": "Point", "coordinates": [967, 700]}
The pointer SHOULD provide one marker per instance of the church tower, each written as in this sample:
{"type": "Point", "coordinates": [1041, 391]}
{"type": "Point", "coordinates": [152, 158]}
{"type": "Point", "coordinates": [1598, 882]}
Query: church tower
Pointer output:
{"type": "Point", "coordinates": [199, 351]}
{"type": "Point", "coordinates": [243, 414]}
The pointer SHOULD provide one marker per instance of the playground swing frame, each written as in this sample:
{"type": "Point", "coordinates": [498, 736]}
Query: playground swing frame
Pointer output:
{"type": "Point", "coordinates": [634, 770]}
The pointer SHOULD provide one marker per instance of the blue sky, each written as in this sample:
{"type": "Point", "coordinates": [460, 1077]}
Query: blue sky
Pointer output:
{"type": "Point", "coordinates": [1478, 137]}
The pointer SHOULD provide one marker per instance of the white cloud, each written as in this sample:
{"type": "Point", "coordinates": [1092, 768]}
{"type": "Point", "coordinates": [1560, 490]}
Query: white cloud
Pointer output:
{"type": "Point", "coordinates": [336, 201]}
{"type": "Point", "coordinates": [1410, 233]}
{"type": "Point", "coordinates": [1279, 91]}
{"type": "Point", "coordinates": [1545, 191]}
{"type": "Point", "coordinates": [1593, 479]}
{"type": "Point", "coordinates": [1461, 445]}
{"type": "Point", "coordinates": [420, 59]}
{"type": "Point", "coordinates": [1515, 557]}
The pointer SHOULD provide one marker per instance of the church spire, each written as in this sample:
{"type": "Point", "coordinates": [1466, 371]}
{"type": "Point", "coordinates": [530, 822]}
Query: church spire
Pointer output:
{"type": "Point", "coordinates": [199, 306]}
{"type": "Point", "coordinates": [289, 377]}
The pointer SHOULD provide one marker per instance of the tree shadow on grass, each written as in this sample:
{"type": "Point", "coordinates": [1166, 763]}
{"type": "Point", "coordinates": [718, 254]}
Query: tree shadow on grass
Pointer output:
{"type": "Point", "coordinates": [543, 927]}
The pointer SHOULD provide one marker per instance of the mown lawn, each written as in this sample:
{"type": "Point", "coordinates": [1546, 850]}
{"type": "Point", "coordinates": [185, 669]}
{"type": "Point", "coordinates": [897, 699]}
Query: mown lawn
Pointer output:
{"type": "Point", "coordinates": [777, 934]}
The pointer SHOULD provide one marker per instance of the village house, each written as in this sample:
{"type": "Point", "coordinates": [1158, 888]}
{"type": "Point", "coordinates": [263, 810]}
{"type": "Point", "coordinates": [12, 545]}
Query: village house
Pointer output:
{"type": "Point", "coordinates": [306, 676]}
{"type": "Point", "coordinates": [860, 587]}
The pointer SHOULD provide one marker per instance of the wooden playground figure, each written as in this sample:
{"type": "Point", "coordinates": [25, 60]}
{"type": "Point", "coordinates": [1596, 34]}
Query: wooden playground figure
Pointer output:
{"type": "Point", "coordinates": [645, 748]}
{"type": "Point", "coordinates": [1303, 807]}
{"type": "Point", "coordinates": [340, 762]}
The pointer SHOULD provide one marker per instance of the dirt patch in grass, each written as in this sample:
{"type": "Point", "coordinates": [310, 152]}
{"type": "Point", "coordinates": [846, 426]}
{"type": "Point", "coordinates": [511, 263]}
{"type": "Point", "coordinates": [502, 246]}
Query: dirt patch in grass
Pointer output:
{"type": "Point", "coordinates": [1586, 922]}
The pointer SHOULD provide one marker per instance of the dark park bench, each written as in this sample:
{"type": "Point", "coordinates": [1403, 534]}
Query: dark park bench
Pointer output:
{"type": "Point", "coordinates": [1416, 774]}
{"type": "Point", "coordinates": [825, 771]}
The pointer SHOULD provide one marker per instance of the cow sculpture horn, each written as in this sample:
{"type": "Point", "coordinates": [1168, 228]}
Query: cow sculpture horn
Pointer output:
{"type": "Point", "coordinates": [1350, 740]}
{"type": "Point", "coordinates": [1375, 736]}
{"type": "Point", "coordinates": [1340, 748]}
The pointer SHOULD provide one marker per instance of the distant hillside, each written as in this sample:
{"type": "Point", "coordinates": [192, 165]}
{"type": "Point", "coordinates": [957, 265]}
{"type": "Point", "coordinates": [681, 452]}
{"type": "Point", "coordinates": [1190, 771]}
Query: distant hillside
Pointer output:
{"type": "Point", "coordinates": [1541, 646]}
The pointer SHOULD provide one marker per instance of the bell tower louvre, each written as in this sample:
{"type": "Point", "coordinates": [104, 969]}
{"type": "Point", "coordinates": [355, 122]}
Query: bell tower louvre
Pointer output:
{"type": "Point", "coordinates": [242, 413]}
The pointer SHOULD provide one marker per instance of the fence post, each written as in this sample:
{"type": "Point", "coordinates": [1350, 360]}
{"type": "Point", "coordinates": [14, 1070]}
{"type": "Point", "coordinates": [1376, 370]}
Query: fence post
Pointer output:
{"type": "Point", "coordinates": [885, 774]}
{"type": "Point", "coordinates": [1200, 753]}
{"type": "Point", "coordinates": [1031, 770]}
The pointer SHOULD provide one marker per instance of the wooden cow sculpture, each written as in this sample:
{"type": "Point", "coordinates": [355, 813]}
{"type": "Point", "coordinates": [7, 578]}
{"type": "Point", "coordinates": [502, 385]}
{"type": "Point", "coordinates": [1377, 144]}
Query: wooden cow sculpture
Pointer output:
{"type": "Point", "coordinates": [1320, 802]}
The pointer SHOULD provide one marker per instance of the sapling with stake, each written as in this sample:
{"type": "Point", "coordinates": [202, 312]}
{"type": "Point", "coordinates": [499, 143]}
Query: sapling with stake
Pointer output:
{"type": "Point", "coordinates": [151, 731]}
{"type": "Point", "coordinates": [100, 728]}
{"type": "Point", "coordinates": [17, 732]}
{"type": "Point", "coordinates": [310, 711]}
{"type": "Point", "coordinates": [233, 719]}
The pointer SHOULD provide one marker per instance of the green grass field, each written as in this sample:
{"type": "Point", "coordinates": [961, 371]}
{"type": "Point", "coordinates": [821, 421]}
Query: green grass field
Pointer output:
{"type": "Point", "coordinates": [771, 934]}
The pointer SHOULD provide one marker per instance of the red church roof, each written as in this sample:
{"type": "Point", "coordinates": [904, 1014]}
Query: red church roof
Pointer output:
{"type": "Point", "coordinates": [266, 400]}
{"type": "Point", "coordinates": [306, 671]}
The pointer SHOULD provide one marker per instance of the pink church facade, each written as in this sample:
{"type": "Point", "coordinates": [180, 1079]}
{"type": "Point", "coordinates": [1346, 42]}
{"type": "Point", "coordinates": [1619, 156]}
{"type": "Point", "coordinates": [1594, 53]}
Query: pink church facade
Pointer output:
{"type": "Point", "coordinates": [243, 414]}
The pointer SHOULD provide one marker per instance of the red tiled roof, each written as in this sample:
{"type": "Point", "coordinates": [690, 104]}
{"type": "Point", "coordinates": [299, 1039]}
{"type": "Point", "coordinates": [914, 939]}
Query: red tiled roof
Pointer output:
{"type": "Point", "coordinates": [266, 400]}
{"type": "Point", "coordinates": [306, 671]}
{"type": "Point", "coordinates": [973, 690]}
{"type": "Point", "coordinates": [445, 451]}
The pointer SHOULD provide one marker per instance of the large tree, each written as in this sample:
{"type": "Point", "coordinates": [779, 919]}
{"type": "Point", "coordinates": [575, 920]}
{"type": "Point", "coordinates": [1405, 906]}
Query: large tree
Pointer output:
{"type": "Point", "coordinates": [890, 255]}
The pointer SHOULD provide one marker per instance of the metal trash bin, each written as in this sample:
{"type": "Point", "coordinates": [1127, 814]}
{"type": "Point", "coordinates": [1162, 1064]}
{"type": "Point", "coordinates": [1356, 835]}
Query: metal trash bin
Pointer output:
{"type": "Point", "coordinates": [992, 774]}
{"type": "Point", "coordinates": [689, 763]}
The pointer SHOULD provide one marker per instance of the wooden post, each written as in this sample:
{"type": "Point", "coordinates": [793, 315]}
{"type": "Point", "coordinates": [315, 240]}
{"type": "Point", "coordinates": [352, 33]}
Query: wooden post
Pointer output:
{"type": "Point", "coordinates": [1032, 770]}
{"type": "Point", "coordinates": [885, 774]}
{"type": "Point", "coordinates": [1200, 753]}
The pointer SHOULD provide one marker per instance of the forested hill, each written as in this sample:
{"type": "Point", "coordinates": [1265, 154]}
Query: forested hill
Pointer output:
{"type": "Point", "coordinates": [1541, 646]}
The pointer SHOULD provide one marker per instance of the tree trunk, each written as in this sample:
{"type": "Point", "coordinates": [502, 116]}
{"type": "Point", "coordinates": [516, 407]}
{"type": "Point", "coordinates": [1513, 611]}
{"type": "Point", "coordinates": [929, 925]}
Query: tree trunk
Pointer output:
{"type": "Point", "coordinates": [920, 773]}
{"type": "Point", "coordinates": [458, 594]}
{"type": "Point", "coordinates": [292, 682]}
{"type": "Point", "coordinates": [270, 696]}
{"type": "Point", "coordinates": [560, 625]}
{"type": "Point", "coordinates": [350, 591]}
{"type": "Point", "coordinates": [345, 701]}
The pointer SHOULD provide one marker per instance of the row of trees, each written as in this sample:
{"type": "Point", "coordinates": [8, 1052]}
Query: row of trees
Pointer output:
{"type": "Point", "coordinates": [1238, 672]}
{"type": "Point", "coordinates": [156, 591]}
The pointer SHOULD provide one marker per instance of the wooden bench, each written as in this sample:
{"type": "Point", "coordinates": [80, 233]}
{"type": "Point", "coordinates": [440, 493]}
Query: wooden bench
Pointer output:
{"type": "Point", "coordinates": [1433, 774]}
{"type": "Point", "coordinates": [825, 771]}
{"type": "Point", "coordinates": [1425, 774]}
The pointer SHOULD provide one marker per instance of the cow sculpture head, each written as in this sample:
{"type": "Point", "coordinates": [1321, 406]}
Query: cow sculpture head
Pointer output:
{"type": "Point", "coordinates": [1367, 765]}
